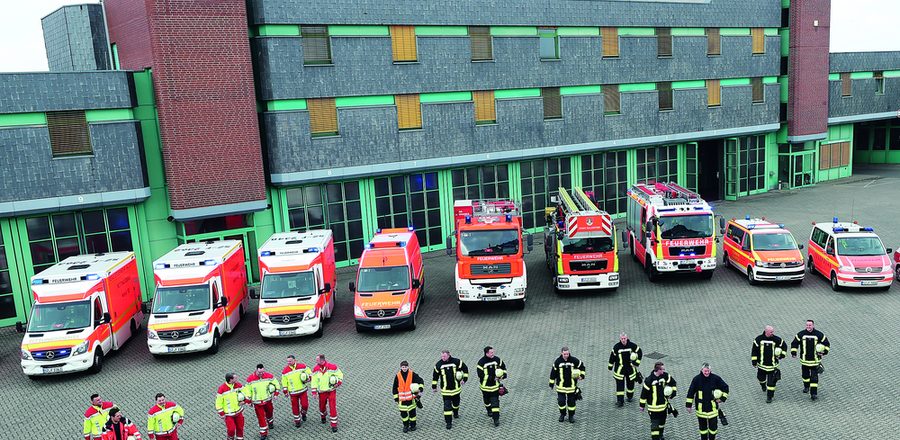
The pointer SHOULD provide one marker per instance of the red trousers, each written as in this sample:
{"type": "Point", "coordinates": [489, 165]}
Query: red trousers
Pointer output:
{"type": "Point", "coordinates": [264, 416]}
{"type": "Point", "coordinates": [170, 436]}
{"type": "Point", "coordinates": [234, 426]}
{"type": "Point", "coordinates": [329, 398]}
{"type": "Point", "coordinates": [299, 405]}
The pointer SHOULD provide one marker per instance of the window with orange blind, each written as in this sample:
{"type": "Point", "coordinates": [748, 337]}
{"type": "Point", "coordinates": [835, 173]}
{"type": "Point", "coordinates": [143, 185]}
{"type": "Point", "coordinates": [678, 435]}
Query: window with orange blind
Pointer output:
{"type": "Point", "coordinates": [322, 117]}
{"type": "Point", "coordinates": [758, 37]}
{"type": "Point", "coordinates": [846, 84]}
{"type": "Point", "coordinates": [713, 41]}
{"type": "Point", "coordinates": [485, 112]}
{"type": "Point", "coordinates": [409, 112]}
{"type": "Point", "coordinates": [609, 36]}
{"type": "Point", "coordinates": [69, 133]}
{"type": "Point", "coordinates": [713, 93]}
{"type": "Point", "coordinates": [611, 99]}
{"type": "Point", "coordinates": [403, 43]}
{"type": "Point", "coordinates": [758, 91]}
{"type": "Point", "coordinates": [834, 155]}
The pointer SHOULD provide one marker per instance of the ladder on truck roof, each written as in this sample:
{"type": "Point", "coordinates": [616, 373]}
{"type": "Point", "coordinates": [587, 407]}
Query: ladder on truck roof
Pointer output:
{"type": "Point", "coordinates": [675, 194]}
{"type": "Point", "coordinates": [580, 201]}
{"type": "Point", "coordinates": [582, 217]}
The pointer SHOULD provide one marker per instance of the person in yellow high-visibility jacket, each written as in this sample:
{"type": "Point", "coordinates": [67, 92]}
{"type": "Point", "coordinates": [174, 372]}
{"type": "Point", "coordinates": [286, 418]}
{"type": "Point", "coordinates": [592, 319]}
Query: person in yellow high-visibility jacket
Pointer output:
{"type": "Point", "coordinates": [261, 389]}
{"type": "Point", "coordinates": [95, 417]}
{"type": "Point", "coordinates": [164, 419]}
{"type": "Point", "coordinates": [230, 400]}
{"type": "Point", "coordinates": [295, 378]}
{"type": "Point", "coordinates": [326, 379]}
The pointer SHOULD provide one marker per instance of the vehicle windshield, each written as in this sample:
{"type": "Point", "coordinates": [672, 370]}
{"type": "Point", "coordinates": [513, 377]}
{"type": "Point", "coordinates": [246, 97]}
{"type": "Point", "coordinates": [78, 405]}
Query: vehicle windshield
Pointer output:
{"type": "Point", "coordinates": [686, 226]}
{"type": "Point", "coordinates": [489, 242]}
{"type": "Point", "coordinates": [288, 285]}
{"type": "Point", "coordinates": [587, 245]}
{"type": "Point", "coordinates": [774, 242]}
{"type": "Point", "coordinates": [381, 279]}
{"type": "Point", "coordinates": [64, 316]}
{"type": "Point", "coordinates": [182, 299]}
{"type": "Point", "coordinates": [860, 246]}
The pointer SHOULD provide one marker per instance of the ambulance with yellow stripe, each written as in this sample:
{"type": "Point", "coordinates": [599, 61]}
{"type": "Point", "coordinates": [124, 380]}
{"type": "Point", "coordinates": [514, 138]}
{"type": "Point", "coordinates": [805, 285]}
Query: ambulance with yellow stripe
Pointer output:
{"type": "Point", "coordinates": [201, 294]}
{"type": "Point", "coordinates": [298, 283]}
{"type": "Point", "coordinates": [85, 307]}
{"type": "Point", "coordinates": [849, 255]}
{"type": "Point", "coordinates": [580, 243]}
{"type": "Point", "coordinates": [762, 250]}
{"type": "Point", "coordinates": [670, 230]}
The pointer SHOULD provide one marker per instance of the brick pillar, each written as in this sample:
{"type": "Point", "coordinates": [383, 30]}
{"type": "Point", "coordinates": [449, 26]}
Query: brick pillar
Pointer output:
{"type": "Point", "coordinates": [203, 79]}
{"type": "Point", "coordinates": [810, 28]}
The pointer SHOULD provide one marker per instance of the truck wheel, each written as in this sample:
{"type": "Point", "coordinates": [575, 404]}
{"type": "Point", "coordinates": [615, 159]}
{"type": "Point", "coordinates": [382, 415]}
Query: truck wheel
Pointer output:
{"type": "Point", "coordinates": [519, 304]}
{"type": "Point", "coordinates": [463, 307]}
{"type": "Point", "coordinates": [631, 248]}
{"type": "Point", "coordinates": [321, 330]}
{"type": "Point", "coordinates": [97, 366]}
{"type": "Point", "coordinates": [897, 272]}
{"type": "Point", "coordinates": [412, 324]}
{"type": "Point", "coordinates": [750, 278]}
{"type": "Point", "coordinates": [360, 329]}
{"type": "Point", "coordinates": [810, 267]}
{"type": "Point", "coordinates": [707, 274]}
{"type": "Point", "coordinates": [834, 283]}
{"type": "Point", "coordinates": [214, 348]}
{"type": "Point", "coordinates": [652, 273]}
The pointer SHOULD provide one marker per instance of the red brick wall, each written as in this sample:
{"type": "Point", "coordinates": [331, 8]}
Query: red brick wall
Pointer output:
{"type": "Point", "coordinates": [808, 67]}
{"type": "Point", "coordinates": [203, 78]}
{"type": "Point", "coordinates": [129, 29]}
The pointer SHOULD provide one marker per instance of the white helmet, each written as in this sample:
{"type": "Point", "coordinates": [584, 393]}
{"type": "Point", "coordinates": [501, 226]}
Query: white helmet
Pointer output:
{"type": "Point", "coordinates": [634, 356]}
{"type": "Point", "coordinates": [820, 348]}
{"type": "Point", "coordinates": [778, 351]}
{"type": "Point", "coordinates": [667, 391]}
{"type": "Point", "coordinates": [304, 377]}
{"type": "Point", "coordinates": [717, 394]}
{"type": "Point", "coordinates": [459, 375]}
{"type": "Point", "coordinates": [130, 437]}
{"type": "Point", "coordinates": [499, 372]}
{"type": "Point", "coordinates": [414, 388]}
{"type": "Point", "coordinates": [271, 388]}
{"type": "Point", "coordinates": [176, 417]}
{"type": "Point", "coordinates": [240, 397]}
{"type": "Point", "coordinates": [332, 380]}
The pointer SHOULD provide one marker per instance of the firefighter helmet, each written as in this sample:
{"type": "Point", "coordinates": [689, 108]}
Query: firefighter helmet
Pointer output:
{"type": "Point", "coordinates": [459, 375]}
{"type": "Point", "coordinates": [271, 388]}
{"type": "Point", "coordinates": [820, 348]}
{"type": "Point", "coordinates": [304, 377]}
{"type": "Point", "coordinates": [634, 356]}
{"type": "Point", "coordinates": [576, 373]}
{"type": "Point", "coordinates": [241, 397]}
{"type": "Point", "coordinates": [499, 373]}
{"type": "Point", "coordinates": [778, 351]}
{"type": "Point", "coordinates": [717, 394]}
{"type": "Point", "coordinates": [176, 417]}
{"type": "Point", "coordinates": [414, 388]}
{"type": "Point", "coordinates": [667, 391]}
{"type": "Point", "coordinates": [332, 380]}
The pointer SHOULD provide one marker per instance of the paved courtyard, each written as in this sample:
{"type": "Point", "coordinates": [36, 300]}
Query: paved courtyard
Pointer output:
{"type": "Point", "coordinates": [688, 321]}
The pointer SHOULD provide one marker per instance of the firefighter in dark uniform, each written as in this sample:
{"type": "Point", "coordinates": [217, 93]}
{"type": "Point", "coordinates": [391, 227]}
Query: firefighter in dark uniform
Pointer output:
{"type": "Point", "coordinates": [767, 350]}
{"type": "Point", "coordinates": [407, 390]}
{"type": "Point", "coordinates": [451, 374]}
{"type": "Point", "coordinates": [564, 376]}
{"type": "Point", "coordinates": [658, 388]}
{"type": "Point", "coordinates": [624, 360]}
{"type": "Point", "coordinates": [810, 344]}
{"type": "Point", "coordinates": [706, 393]}
{"type": "Point", "coordinates": [491, 370]}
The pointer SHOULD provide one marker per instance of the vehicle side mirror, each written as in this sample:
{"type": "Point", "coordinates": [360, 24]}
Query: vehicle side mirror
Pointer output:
{"type": "Point", "coordinates": [624, 239]}
{"type": "Point", "coordinates": [722, 231]}
{"type": "Point", "coordinates": [352, 287]}
{"type": "Point", "coordinates": [559, 235]}
{"type": "Point", "coordinates": [654, 221]}
{"type": "Point", "coordinates": [327, 288]}
{"type": "Point", "coordinates": [745, 248]}
{"type": "Point", "coordinates": [145, 307]}
{"type": "Point", "coordinates": [20, 327]}
{"type": "Point", "coordinates": [829, 251]}
{"type": "Point", "coordinates": [722, 224]}
{"type": "Point", "coordinates": [223, 302]}
{"type": "Point", "coordinates": [416, 284]}
{"type": "Point", "coordinates": [800, 246]}
{"type": "Point", "coordinates": [254, 293]}
{"type": "Point", "coordinates": [449, 243]}
{"type": "Point", "coordinates": [889, 251]}
{"type": "Point", "coordinates": [106, 318]}
{"type": "Point", "coordinates": [530, 242]}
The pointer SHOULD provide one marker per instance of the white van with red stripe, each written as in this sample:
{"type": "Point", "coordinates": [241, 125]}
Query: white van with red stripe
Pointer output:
{"type": "Point", "coordinates": [298, 283]}
{"type": "Point", "coordinates": [201, 294]}
{"type": "Point", "coordinates": [85, 307]}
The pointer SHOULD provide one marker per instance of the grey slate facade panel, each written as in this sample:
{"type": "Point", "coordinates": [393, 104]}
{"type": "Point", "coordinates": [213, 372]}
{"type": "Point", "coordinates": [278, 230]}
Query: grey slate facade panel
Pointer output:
{"type": "Point", "coordinates": [863, 61]}
{"type": "Point", "coordinates": [39, 92]}
{"type": "Point", "coordinates": [30, 172]}
{"type": "Point", "coordinates": [715, 13]}
{"type": "Point", "coordinates": [363, 65]}
{"type": "Point", "coordinates": [369, 135]}
{"type": "Point", "coordinates": [864, 101]}
{"type": "Point", "coordinates": [75, 39]}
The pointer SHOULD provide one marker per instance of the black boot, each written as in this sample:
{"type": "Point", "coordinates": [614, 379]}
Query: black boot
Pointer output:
{"type": "Point", "coordinates": [303, 417]}
{"type": "Point", "coordinates": [412, 426]}
{"type": "Point", "coordinates": [805, 389]}
{"type": "Point", "coordinates": [456, 413]}
{"type": "Point", "coordinates": [571, 417]}
{"type": "Point", "coordinates": [620, 401]}
{"type": "Point", "coordinates": [630, 397]}
{"type": "Point", "coordinates": [763, 386]}
{"type": "Point", "coordinates": [497, 420]}
{"type": "Point", "coordinates": [562, 416]}
{"type": "Point", "coordinates": [449, 425]}
{"type": "Point", "coordinates": [334, 429]}
{"type": "Point", "coordinates": [296, 423]}
{"type": "Point", "coordinates": [405, 427]}
{"type": "Point", "coordinates": [323, 419]}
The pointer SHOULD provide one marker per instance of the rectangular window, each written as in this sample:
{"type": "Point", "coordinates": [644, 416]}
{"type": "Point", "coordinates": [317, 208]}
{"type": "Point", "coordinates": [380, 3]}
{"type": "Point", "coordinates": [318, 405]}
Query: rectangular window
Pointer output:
{"type": "Point", "coordinates": [610, 40]}
{"type": "Point", "coordinates": [549, 43]}
{"type": "Point", "coordinates": [657, 164]}
{"type": "Point", "coordinates": [69, 133]}
{"type": "Point", "coordinates": [758, 37]}
{"type": "Point", "coordinates": [879, 82]}
{"type": "Point", "coordinates": [825, 156]}
{"type": "Point", "coordinates": [846, 85]}
{"type": "Point", "coordinates": [663, 42]}
{"type": "Point", "coordinates": [713, 41]}
{"type": "Point", "coordinates": [845, 154]}
{"type": "Point", "coordinates": [713, 93]}
{"type": "Point", "coordinates": [481, 42]}
{"type": "Point", "coordinates": [481, 182]}
{"type": "Point", "coordinates": [56, 237]}
{"type": "Point", "coordinates": [316, 45]}
{"type": "Point", "coordinates": [611, 101]}
{"type": "Point", "coordinates": [322, 117]}
{"type": "Point", "coordinates": [606, 175]}
{"type": "Point", "coordinates": [666, 98]}
{"type": "Point", "coordinates": [552, 103]}
{"type": "Point", "coordinates": [540, 179]}
{"type": "Point", "coordinates": [758, 90]}
{"type": "Point", "coordinates": [403, 44]}
{"type": "Point", "coordinates": [409, 112]}
{"type": "Point", "coordinates": [410, 200]}
{"type": "Point", "coordinates": [485, 112]}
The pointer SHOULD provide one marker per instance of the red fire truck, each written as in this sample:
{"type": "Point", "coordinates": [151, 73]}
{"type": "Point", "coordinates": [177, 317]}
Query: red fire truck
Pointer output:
{"type": "Point", "coordinates": [490, 264]}
{"type": "Point", "coordinates": [580, 244]}
{"type": "Point", "coordinates": [670, 230]}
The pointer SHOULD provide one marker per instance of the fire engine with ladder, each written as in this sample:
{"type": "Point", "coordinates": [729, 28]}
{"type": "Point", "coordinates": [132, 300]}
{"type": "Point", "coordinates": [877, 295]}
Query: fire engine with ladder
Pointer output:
{"type": "Point", "coordinates": [670, 229]}
{"type": "Point", "coordinates": [580, 243]}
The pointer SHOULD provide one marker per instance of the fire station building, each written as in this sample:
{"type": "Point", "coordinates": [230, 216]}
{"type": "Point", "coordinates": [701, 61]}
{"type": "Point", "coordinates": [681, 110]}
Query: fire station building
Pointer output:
{"type": "Point", "coordinates": [170, 121]}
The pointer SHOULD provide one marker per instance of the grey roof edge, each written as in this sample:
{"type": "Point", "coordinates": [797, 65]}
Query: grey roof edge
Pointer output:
{"type": "Point", "coordinates": [864, 117]}
{"type": "Point", "coordinates": [218, 210]}
{"type": "Point", "coordinates": [73, 202]}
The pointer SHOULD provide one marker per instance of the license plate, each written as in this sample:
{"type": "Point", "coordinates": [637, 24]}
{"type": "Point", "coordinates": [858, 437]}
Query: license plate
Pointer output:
{"type": "Point", "coordinates": [869, 283]}
{"type": "Point", "coordinates": [287, 332]}
{"type": "Point", "coordinates": [589, 280]}
{"type": "Point", "coordinates": [491, 298]}
{"type": "Point", "coordinates": [52, 370]}
{"type": "Point", "coordinates": [781, 278]}
{"type": "Point", "coordinates": [175, 349]}
{"type": "Point", "coordinates": [382, 327]}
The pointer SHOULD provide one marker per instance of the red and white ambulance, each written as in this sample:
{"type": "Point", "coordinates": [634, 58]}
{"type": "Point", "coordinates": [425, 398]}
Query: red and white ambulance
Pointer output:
{"type": "Point", "coordinates": [390, 282]}
{"type": "Point", "coordinates": [670, 230]}
{"type": "Point", "coordinates": [762, 250]}
{"type": "Point", "coordinates": [298, 283]}
{"type": "Point", "coordinates": [580, 244]}
{"type": "Point", "coordinates": [85, 307]}
{"type": "Point", "coordinates": [201, 294]}
{"type": "Point", "coordinates": [849, 255]}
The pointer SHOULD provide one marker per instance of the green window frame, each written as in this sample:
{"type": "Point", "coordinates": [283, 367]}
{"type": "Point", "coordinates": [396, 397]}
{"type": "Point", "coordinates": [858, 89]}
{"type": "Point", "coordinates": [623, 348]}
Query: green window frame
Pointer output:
{"type": "Point", "coordinates": [410, 199]}
{"type": "Point", "coordinates": [691, 166]}
{"type": "Point", "coordinates": [231, 227]}
{"type": "Point", "coordinates": [657, 164]}
{"type": "Point", "coordinates": [606, 174]}
{"type": "Point", "coordinates": [540, 179]}
{"type": "Point", "coordinates": [480, 182]}
{"type": "Point", "coordinates": [549, 43]}
{"type": "Point", "coordinates": [7, 296]}
{"type": "Point", "coordinates": [55, 237]}
{"type": "Point", "coordinates": [336, 206]}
